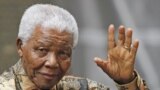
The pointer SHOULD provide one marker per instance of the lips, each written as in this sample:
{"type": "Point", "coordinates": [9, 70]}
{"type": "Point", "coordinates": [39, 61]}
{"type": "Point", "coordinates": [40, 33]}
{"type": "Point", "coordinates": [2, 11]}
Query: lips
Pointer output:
{"type": "Point", "coordinates": [49, 76]}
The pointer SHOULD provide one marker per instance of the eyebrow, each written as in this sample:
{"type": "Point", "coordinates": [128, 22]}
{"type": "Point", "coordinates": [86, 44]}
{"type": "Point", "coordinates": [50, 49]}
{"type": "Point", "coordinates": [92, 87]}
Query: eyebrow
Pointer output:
{"type": "Point", "coordinates": [41, 43]}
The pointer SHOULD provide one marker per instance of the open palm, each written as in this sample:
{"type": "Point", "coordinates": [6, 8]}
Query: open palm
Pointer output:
{"type": "Point", "coordinates": [119, 64]}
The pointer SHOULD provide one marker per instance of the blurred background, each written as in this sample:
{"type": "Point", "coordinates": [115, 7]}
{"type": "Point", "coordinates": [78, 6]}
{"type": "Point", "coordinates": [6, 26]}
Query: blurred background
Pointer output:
{"type": "Point", "coordinates": [93, 18]}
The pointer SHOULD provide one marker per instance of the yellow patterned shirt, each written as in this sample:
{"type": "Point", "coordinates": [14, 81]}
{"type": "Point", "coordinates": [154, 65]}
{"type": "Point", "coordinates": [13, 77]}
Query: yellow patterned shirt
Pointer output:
{"type": "Point", "coordinates": [16, 79]}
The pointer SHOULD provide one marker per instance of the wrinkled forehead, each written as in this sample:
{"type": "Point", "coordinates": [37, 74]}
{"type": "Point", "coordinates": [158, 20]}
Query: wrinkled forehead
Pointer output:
{"type": "Point", "coordinates": [52, 36]}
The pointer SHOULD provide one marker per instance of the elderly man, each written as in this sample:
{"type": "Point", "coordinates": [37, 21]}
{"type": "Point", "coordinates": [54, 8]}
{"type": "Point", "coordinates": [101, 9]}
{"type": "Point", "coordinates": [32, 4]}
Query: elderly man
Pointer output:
{"type": "Point", "coordinates": [47, 35]}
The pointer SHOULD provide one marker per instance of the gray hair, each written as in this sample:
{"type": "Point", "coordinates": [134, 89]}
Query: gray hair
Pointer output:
{"type": "Point", "coordinates": [47, 16]}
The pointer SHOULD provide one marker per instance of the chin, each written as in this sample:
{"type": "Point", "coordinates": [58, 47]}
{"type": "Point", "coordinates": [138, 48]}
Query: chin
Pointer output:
{"type": "Point", "coordinates": [46, 87]}
{"type": "Point", "coordinates": [45, 84]}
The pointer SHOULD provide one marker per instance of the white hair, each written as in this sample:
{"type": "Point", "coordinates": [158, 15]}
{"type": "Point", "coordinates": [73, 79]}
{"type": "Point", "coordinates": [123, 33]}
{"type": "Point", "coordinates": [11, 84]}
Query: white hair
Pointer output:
{"type": "Point", "coordinates": [47, 16]}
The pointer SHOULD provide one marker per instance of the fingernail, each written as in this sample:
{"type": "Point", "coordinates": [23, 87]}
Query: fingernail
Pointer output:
{"type": "Point", "coordinates": [111, 26]}
{"type": "Point", "coordinates": [96, 58]}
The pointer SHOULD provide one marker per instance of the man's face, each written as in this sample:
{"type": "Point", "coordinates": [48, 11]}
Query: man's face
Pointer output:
{"type": "Point", "coordinates": [47, 56]}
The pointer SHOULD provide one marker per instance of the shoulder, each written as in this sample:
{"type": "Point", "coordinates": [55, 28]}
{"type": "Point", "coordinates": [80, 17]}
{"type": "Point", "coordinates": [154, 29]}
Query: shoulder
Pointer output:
{"type": "Point", "coordinates": [7, 81]}
{"type": "Point", "coordinates": [81, 83]}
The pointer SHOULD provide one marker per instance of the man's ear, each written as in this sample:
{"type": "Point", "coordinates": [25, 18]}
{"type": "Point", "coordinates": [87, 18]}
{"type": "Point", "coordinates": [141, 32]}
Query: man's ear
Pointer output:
{"type": "Point", "coordinates": [19, 47]}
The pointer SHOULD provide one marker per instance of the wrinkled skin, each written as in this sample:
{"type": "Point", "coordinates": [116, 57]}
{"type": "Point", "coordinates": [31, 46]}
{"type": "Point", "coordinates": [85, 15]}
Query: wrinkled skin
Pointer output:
{"type": "Point", "coordinates": [46, 56]}
{"type": "Point", "coordinates": [119, 64]}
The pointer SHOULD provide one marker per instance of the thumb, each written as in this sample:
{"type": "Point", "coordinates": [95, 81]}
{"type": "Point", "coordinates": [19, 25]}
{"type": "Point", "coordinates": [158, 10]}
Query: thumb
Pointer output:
{"type": "Point", "coordinates": [101, 63]}
{"type": "Point", "coordinates": [98, 61]}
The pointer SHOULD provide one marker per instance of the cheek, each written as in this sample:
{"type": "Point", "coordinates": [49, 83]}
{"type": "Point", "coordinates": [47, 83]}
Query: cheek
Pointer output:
{"type": "Point", "coordinates": [34, 60]}
{"type": "Point", "coordinates": [34, 64]}
{"type": "Point", "coordinates": [65, 65]}
{"type": "Point", "coordinates": [31, 62]}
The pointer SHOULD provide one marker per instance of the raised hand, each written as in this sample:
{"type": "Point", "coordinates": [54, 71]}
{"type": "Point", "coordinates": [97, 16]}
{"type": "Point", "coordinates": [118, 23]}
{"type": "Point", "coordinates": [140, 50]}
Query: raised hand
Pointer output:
{"type": "Point", "coordinates": [121, 55]}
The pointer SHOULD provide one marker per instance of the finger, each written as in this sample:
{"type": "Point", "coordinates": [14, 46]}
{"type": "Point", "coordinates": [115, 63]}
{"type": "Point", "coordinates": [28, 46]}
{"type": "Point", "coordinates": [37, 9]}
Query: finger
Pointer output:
{"type": "Point", "coordinates": [121, 35]}
{"type": "Point", "coordinates": [128, 38]}
{"type": "Point", "coordinates": [98, 61]}
{"type": "Point", "coordinates": [111, 39]}
{"type": "Point", "coordinates": [134, 47]}
{"type": "Point", "coordinates": [101, 63]}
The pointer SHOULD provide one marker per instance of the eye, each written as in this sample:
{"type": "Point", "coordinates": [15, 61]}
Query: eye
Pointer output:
{"type": "Point", "coordinates": [63, 55]}
{"type": "Point", "coordinates": [42, 51]}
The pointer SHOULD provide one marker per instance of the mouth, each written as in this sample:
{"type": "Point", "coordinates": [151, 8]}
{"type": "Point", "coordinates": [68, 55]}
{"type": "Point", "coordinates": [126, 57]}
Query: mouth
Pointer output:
{"type": "Point", "coordinates": [49, 76]}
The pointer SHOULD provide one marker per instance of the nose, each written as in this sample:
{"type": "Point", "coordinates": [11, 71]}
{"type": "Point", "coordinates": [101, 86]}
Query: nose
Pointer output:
{"type": "Point", "coordinates": [51, 61]}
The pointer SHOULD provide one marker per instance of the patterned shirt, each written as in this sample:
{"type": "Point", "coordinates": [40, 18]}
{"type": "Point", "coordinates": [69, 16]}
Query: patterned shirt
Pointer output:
{"type": "Point", "coordinates": [16, 79]}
